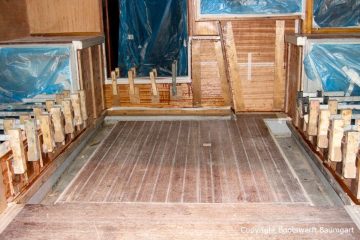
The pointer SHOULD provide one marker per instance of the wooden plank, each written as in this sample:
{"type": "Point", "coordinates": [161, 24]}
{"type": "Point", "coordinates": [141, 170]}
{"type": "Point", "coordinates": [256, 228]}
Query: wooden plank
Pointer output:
{"type": "Point", "coordinates": [47, 133]}
{"type": "Point", "coordinates": [18, 151]}
{"type": "Point", "coordinates": [279, 82]}
{"type": "Point", "coordinates": [102, 75]}
{"type": "Point", "coordinates": [69, 118]}
{"type": "Point", "coordinates": [335, 137]}
{"type": "Point", "coordinates": [350, 151]}
{"type": "Point", "coordinates": [233, 68]}
{"type": "Point", "coordinates": [49, 104]}
{"type": "Point", "coordinates": [76, 106]}
{"type": "Point", "coordinates": [196, 73]}
{"type": "Point", "coordinates": [9, 123]}
{"type": "Point", "coordinates": [322, 134]}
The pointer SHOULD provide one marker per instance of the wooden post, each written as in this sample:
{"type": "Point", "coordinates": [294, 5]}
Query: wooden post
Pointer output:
{"type": "Point", "coordinates": [34, 150]}
{"type": "Point", "coordinates": [346, 116]}
{"type": "Point", "coordinates": [69, 119]}
{"type": "Point", "coordinates": [357, 182]}
{"type": "Point", "coordinates": [18, 151]}
{"type": "Point", "coordinates": [155, 98]}
{"type": "Point", "coordinates": [115, 92]}
{"type": "Point", "coordinates": [279, 83]}
{"type": "Point", "coordinates": [84, 114]}
{"type": "Point", "coordinates": [49, 104]}
{"type": "Point", "coordinates": [350, 150]}
{"type": "Point", "coordinates": [117, 72]}
{"type": "Point", "coordinates": [133, 91]}
{"type": "Point", "coordinates": [75, 102]}
{"type": "Point", "coordinates": [335, 138]}
{"type": "Point", "coordinates": [47, 133]}
{"type": "Point", "coordinates": [312, 129]}
{"type": "Point", "coordinates": [58, 123]}
{"type": "Point", "coordinates": [333, 107]}
{"type": "Point", "coordinates": [133, 69]}
{"type": "Point", "coordinates": [37, 112]}
{"type": "Point", "coordinates": [324, 123]}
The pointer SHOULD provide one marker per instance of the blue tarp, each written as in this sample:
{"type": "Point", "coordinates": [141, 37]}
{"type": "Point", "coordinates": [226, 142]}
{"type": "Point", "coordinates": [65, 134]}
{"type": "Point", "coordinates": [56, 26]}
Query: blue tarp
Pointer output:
{"type": "Point", "coordinates": [153, 33]}
{"type": "Point", "coordinates": [337, 13]}
{"type": "Point", "coordinates": [251, 6]}
{"type": "Point", "coordinates": [28, 71]}
{"type": "Point", "coordinates": [336, 66]}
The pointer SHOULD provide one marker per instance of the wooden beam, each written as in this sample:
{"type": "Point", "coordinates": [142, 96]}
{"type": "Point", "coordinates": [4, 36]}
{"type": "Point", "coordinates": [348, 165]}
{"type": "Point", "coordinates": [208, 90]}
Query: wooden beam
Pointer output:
{"type": "Point", "coordinates": [350, 150]}
{"type": "Point", "coordinates": [308, 22]}
{"type": "Point", "coordinates": [94, 91]}
{"type": "Point", "coordinates": [333, 106]}
{"type": "Point", "coordinates": [346, 116]}
{"type": "Point", "coordinates": [235, 80]}
{"type": "Point", "coordinates": [84, 113]}
{"type": "Point", "coordinates": [335, 138]}
{"type": "Point", "coordinates": [196, 73]}
{"type": "Point", "coordinates": [102, 75]}
{"type": "Point", "coordinates": [3, 201]}
{"type": "Point", "coordinates": [324, 123]}
{"type": "Point", "coordinates": [279, 80]}
{"type": "Point", "coordinates": [312, 129]}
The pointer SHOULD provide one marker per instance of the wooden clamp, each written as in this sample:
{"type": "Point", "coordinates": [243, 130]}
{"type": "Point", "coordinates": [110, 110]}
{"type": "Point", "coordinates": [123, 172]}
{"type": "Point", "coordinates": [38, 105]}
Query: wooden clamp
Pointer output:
{"type": "Point", "coordinates": [155, 97]}
{"type": "Point", "coordinates": [133, 91]}
{"type": "Point", "coordinates": [314, 111]}
{"type": "Point", "coordinates": [324, 123]}
{"type": "Point", "coordinates": [58, 123]}
{"type": "Point", "coordinates": [47, 133]}
{"type": "Point", "coordinates": [76, 105]}
{"type": "Point", "coordinates": [18, 151]}
{"type": "Point", "coordinates": [335, 138]}
{"type": "Point", "coordinates": [84, 113]}
{"type": "Point", "coordinates": [117, 72]}
{"type": "Point", "coordinates": [350, 150]}
{"type": "Point", "coordinates": [115, 91]}
{"type": "Point", "coordinates": [33, 142]}
{"type": "Point", "coordinates": [69, 119]}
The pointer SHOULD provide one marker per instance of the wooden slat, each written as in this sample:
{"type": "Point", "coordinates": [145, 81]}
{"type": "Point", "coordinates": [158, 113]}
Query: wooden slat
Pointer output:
{"type": "Point", "coordinates": [279, 83]}
{"type": "Point", "coordinates": [196, 73]}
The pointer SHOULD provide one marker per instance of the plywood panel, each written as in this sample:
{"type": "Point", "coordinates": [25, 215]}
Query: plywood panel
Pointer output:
{"type": "Point", "coordinates": [64, 16]}
{"type": "Point", "coordinates": [13, 19]}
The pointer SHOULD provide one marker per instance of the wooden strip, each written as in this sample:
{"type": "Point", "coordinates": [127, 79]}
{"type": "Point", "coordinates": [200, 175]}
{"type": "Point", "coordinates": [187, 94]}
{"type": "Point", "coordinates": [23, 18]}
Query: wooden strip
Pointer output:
{"type": "Point", "coordinates": [33, 144]}
{"type": "Point", "coordinates": [349, 151]}
{"type": "Point", "coordinates": [312, 128]}
{"type": "Point", "coordinates": [133, 91]}
{"type": "Point", "coordinates": [18, 151]}
{"type": "Point", "coordinates": [335, 137]}
{"type": "Point", "coordinates": [60, 97]}
{"type": "Point", "coordinates": [3, 202]}
{"type": "Point", "coordinates": [333, 106]}
{"type": "Point", "coordinates": [47, 133]}
{"type": "Point", "coordinates": [234, 69]}
{"type": "Point", "coordinates": [76, 106]}
{"type": "Point", "coordinates": [102, 75]}
{"type": "Point", "coordinates": [69, 118]}
{"type": "Point", "coordinates": [222, 71]}
{"type": "Point", "coordinates": [279, 81]}
{"type": "Point", "coordinates": [196, 73]}
{"type": "Point", "coordinates": [155, 97]}
{"type": "Point", "coordinates": [58, 123]}
{"type": "Point", "coordinates": [93, 86]}
{"type": "Point", "coordinates": [324, 123]}
{"type": "Point", "coordinates": [84, 113]}
{"type": "Point", "coordinates": [9, 123]}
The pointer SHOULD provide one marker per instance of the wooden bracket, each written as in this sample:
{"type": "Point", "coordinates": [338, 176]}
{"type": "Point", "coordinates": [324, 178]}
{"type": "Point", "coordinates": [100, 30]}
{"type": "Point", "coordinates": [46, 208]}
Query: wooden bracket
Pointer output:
{"type": "Point", "coordinates": [115, 91]}
{"type": "Point", "coordinates": [335, 138]}
{"type": "Point", "coordinates": [324, 123]}
{"type": "Point", "coordinates": [155, 96]}
{"type": "Point", "coordinates": [76, 105]}
{"type": "Point", "coordinates": [47, 133]}
{"type": "Point", "coordinates": [34, 149]}
{"type": "Point", "coordinates": [133, 91]}
{"type": "Point", "coordinates": [350, 150]}
{"type": "Point", "coordinates": [17, 148]}
{"type": "Point", "coordinates": [84, 114]}
{"type": "Point", "coordinates": [69, 118]}
{"type": "Point", "coordinates": [58, 123]}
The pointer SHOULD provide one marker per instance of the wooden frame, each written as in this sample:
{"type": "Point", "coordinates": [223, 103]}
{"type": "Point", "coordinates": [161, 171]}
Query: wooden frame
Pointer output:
{"type": "Point", "coordinates": [308, 26]}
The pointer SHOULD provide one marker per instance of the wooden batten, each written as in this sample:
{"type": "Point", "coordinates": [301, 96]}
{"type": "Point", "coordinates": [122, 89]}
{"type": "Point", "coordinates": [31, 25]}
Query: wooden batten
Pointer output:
{"type": "Point", "coordinates": [333, 107]}
{"type": "Point", "coordinates": [76, 106]}
{"type": "Point", "coordinates": [3, 201]}
{"type": "Point", "coordinates": [47, 133]}
{"type": "Point", "coordinates": [69, 117]}
{"type": "Point", "coordinates": [49, 104]}
{"type": "Point", "coordinates": [335, 138]}
{"type": "Point", "coordinates": [312, 129]}
{"type": "Point", "coordinates": [324, 123]}
{"type": "Point", "coordinates": [115, 92]}
{"type": "Point", "coordinates": [196, 73]}
{"type": "Point", "coordinates": [59, 98]}
{"type": "Point", "coordinates": [279, 82]}
{"type": "Point", "coordinates": [155, 97]}
{"type": "Point", "coordinates": [346, 116]}
{"type": "Point", "coordinates": [133, 91]}
{"type": "Point", "coordinates": [350, 151]}
{"type": "Point", "coordinates": [18, 151]}
{"type": "Point", "coordinates": [84, 113]}
{"type": "Point", "coordinates": [9, 123]}
{"type": "Point", "coordinates": [34, 149]}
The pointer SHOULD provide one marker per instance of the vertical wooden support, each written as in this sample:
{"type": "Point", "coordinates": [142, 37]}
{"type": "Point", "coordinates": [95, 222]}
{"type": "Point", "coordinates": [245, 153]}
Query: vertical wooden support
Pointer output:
{"type": "Point", "coordinates": [350, 150]}
{"type": "Point", "coordinates": [24, 118]}
{"type": "Point", "coordinates": [69, 119]}
{"type": "Point", "coordinates": [133, 91]}
{"type": "Point", "coordinates": [84, 114]}
{"type": "Point", "coordinates": [47, 133]}
{"type": "Point", "coordinates": [115, 91]}
{"type": "Point", "coordinates": [49, 104]}
{"type": "Point", "coordinates": [196, 73]}
{"type": "Point", "coordinates": [59, 98]}
{"type": "Point", "coordinates": [324, 123]}
{"type": "Point", "coordinates": [279, 82]}
{"type": "Point", "coordinates": [3, 201]}
{"type": "Point", "coordinates": [34, 150]}
{"type": "Point", "coordinates": [155, 98]}
{"type": "Point", "coordinates": [9, 123]}
{"type": "Point", "coordinates": [307, 23]}
{"type": "Point", "coordinates": [117, 72]}
{"type": "Point", "coordinates": [133, 69]}
{"type": "Point", "coordinates": [333, 107]}
{"type": "Point", "coordinates": [94, 91]}
{"type": "Point", "coordinates": [335, 138]}
{"type": "Point", "coordinates": [58, 123]}
{"type": "Point", "coordinates": [222, 71]}
{"type": "Point", "coordinates": [75, 102]}
{"type": "Point", "coordinates": [174, 76]}
{"type": "Point", "coordinates": [102, 75]}
{"type": "Point", "coordinates": [37, 112]}
{"type": "Point", "coordinates": [236, 83]}
{"type": "Point", "coordinates": [312, 129]}
{"type": "Point", "coordinates": [18, 151]}
{"type": "Point", "coordinates": [346, 116]}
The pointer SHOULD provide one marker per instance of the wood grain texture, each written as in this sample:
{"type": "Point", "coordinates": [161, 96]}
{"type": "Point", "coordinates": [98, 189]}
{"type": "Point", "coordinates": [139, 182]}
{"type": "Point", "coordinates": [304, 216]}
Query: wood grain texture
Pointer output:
{"type": "Point", "coordinates": [187, 161]}
{"type": "Point", "coordinates": [13, 13]}
{"type": "Point", "coordinates": [178, 221]}
{"type": "Point", "coordinates": [64, 16]}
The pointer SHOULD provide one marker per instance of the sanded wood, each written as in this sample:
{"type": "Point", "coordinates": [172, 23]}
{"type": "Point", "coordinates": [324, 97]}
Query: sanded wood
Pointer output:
{"type": "Point", "coordinates": [335, 137]}
{"type": "Point", "coordinates": [18, 151]}
{"type": "Point", "coordinates": [349, 151]}
{"type": "Point", "coordinates": [133, 91]}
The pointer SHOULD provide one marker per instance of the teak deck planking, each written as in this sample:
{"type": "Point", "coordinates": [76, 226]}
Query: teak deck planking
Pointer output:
{"type": "Point", "coordinates": [187, 161]}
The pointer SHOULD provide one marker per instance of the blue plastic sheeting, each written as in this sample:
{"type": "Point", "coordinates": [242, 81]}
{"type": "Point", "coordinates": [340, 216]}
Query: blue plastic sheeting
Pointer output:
{"type": "Point", "coordinates": [153, 33]}
{"type": "Point", "coordinates": [250, 6]}
{"type": "Point", "coordinates": [337, 66]}
{"type": "Point", "coordinates": [28, 71]}
{"type": "Point", "coordinates": [337, 13]}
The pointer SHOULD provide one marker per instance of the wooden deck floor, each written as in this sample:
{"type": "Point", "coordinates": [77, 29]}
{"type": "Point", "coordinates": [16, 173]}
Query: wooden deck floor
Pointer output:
{"type": "Point", "coordinates": [190, 161]}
